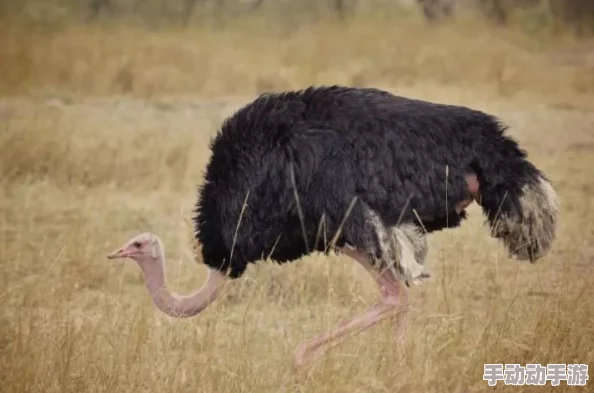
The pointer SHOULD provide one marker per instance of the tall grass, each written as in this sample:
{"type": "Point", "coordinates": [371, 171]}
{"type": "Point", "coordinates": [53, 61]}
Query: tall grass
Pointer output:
{"type": "Point", "coordinates": [79, 177]}
{"type": "Point", "coordinates": [254, 55]}
{"type": "Point", "coordinates": [104, 132]}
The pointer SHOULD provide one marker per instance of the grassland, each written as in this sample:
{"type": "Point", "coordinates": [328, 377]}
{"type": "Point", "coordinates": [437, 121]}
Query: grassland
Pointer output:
{"type": "Point", "coordinates": [104, 132]}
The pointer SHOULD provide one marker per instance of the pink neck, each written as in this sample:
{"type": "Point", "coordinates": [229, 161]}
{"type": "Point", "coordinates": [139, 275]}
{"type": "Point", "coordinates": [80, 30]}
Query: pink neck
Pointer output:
{"type": "Point", "coordinates": [177, 305]}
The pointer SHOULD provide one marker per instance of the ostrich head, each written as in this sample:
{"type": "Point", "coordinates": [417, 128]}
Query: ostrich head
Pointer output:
{"type": "Point", "coordinates": [147, 250]}
{"type": "Point", "coordinates": [141, 248]}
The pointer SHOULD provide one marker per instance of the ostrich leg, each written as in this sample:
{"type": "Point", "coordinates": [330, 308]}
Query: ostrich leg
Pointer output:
{"type": "Point", "coordinates": [393, 302]}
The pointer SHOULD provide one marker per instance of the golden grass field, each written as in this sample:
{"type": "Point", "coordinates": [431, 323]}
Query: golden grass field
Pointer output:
{"type": "Point", "coordinates": [104, 133]}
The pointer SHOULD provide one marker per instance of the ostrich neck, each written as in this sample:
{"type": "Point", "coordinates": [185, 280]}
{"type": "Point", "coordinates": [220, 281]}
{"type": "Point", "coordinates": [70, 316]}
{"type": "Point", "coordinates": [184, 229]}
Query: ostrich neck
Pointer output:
{"type": "Point", "coordinates": [175, 305]}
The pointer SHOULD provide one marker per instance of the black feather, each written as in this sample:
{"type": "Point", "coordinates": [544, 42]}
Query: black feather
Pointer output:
{"type": "Point", "coordinates": [390, 152]}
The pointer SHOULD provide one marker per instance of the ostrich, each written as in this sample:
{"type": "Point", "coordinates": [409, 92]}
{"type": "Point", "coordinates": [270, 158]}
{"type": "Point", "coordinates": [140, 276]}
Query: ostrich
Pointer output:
{"type": "Point", "coordinates": [375, 171]}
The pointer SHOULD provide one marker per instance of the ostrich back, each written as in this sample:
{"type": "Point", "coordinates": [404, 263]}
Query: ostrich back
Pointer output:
{"type": "Point", "coordinates": [405, 159]}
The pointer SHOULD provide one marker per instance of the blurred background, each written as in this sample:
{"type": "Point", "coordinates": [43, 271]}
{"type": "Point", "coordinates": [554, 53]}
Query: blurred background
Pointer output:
{"type": "Point", "coordinates": [227, 47]}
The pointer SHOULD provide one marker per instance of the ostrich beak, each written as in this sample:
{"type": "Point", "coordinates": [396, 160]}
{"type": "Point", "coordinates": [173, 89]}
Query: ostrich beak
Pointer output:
{"type": "Point", "coordinates": [119, 253]}
{"type": "Point", "coordinates": [115, 254]}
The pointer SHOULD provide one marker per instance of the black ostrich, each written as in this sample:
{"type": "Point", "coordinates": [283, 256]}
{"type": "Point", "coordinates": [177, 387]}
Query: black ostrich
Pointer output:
{"type": "Point", "coordinates": [371, 172]}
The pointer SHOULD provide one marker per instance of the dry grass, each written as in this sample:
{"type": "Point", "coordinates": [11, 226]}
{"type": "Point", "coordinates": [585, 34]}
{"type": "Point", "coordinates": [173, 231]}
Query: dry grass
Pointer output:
{"type": "Point", "coordinates": [79, 178]}
{"type": "Point", "coordinates": [80, 174]}
{"type": "Point", "coordinates": [255, 55]}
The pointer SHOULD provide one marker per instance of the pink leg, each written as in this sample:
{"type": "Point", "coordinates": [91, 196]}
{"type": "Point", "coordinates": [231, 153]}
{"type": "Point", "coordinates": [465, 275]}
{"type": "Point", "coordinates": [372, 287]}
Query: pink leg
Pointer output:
{"type": "Point", "coordinates": [392, 303]}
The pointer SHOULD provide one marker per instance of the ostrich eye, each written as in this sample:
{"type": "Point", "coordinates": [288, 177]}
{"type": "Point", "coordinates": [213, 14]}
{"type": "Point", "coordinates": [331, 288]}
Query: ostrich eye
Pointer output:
{"type": "Point", "coordinates": [137, 244]}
